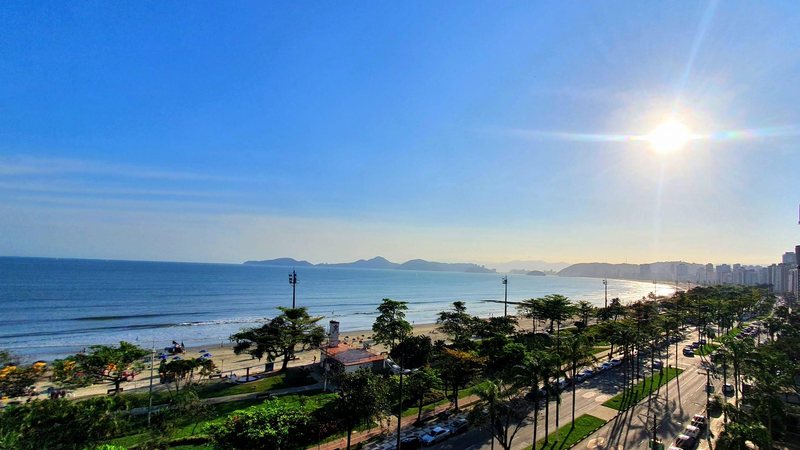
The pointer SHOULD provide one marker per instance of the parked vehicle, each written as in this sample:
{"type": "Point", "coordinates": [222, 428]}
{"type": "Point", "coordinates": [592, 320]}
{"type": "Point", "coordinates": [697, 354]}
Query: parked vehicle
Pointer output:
{"type": "Point", "coordinates": [410, 443]}
{"type": "Point", "coordinates": [685, 442]}
{"type": "Point", "coordinates": [658, 365]}
{"type": "Point", "coordinates": [459, 426]}
{"type": "Point", "coordinates": [695, 345]}
{"type": "Point", "coordinates": [699, 421]}
{"type": "Point", "coordinates": [692, 431]}
{"type": "Point", "coordinates": [688, 352]}
{"type": "Point", "coordinates": [710, 388]}
{"type": "Point", "coordinates": [727, 389]}
{"type": "Point", "coordinates": [436, 435]}
{"type": "Point", "coordinates": [615, 362]}
{"type": "Point", "coordinates": [606, 365]}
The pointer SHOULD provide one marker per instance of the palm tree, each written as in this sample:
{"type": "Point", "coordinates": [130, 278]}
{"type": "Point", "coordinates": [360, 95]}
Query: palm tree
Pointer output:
{"type": "Point", "coordinates": [529, 373]}
{"type": "Point", "coordinates": [585, 311]}
{"type": "Point", "coordinates": [578, 352]}
{"type": "Point", "coordinates": [551, 368]}
{"type": "Point", "coordinates": [531, 309]}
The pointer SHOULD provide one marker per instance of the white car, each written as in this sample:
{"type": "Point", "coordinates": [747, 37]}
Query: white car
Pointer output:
{"type": "Point", "coordinates": [692, 431]}
{"type": "Point", "coordinates": [437, 434]}
{"type": "Point", "coordinates": [615, 362]}
{"type": "Point", "coordinates": [606, 365]}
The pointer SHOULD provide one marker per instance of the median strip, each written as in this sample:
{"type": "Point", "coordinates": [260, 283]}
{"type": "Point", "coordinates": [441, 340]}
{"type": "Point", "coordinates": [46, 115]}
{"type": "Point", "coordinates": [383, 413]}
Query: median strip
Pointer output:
{"type": "Point", "coordinates": [567, 436]}
{"type": "Point", "coordinates": [635, 394]}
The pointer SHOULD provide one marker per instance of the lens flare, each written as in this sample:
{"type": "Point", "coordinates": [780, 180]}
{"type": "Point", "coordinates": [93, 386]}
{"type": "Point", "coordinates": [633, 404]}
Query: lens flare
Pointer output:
{"type": "Point", "coordinates": [670, 136]}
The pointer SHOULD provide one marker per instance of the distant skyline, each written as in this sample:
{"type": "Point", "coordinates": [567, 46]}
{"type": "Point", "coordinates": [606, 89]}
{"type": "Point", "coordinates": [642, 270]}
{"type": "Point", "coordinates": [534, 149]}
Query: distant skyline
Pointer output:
{"type": "Point", "coordinates": [452, 132]}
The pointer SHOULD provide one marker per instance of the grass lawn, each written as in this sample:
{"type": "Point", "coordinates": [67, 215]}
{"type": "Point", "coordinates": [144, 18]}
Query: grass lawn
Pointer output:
{"type": "Point", "coordinates": [707, 349]}
{"type": "Point", "coordinates": [278, 381]}
{"type": "Point", "coordinates": [567, 436]}
{"type": "Point", "coordinates": [635, 394]}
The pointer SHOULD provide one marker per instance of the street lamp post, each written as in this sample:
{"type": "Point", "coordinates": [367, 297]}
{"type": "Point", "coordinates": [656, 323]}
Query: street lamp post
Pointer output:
{"type": "Point", "coordinates": [505, 301]}
{"type": "Point", "coordinates": [293, 282]}
{"type": "Point", "coordinates": [605, 285]}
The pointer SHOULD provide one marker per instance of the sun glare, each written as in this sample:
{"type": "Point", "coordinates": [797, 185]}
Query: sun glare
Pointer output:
{"type": "Point", "coordinates": [669, 137]}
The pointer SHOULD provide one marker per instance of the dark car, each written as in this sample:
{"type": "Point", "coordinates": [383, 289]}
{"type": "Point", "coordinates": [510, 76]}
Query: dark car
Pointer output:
{"type": "Point", "coordinates": [727, 389]}
{"type": "Point", "coordinates": [688, 351]}
{"type": "Point", "coordinates": [459, 426]}
{"type": "Point", "coordinates": [410, 443]}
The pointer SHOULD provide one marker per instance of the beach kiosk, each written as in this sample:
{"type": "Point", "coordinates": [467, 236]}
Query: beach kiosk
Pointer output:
{"type": "Point", "coordinates": [338, 357]}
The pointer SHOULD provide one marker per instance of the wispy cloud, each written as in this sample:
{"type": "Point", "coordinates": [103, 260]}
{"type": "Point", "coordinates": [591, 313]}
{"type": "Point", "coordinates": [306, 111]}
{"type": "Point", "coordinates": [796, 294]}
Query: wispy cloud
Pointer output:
{"type": "Point", "coordinates": [23, 165]}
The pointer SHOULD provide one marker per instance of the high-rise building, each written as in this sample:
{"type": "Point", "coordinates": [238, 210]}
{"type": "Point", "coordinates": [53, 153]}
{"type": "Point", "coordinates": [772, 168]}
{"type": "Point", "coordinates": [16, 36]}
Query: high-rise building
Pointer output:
{"type": "Point", "coordinates": [724, 275]}
{"type": "Point", "coordinates": [790, 258]}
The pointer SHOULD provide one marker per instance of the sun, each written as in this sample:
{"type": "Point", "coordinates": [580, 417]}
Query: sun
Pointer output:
{"type": "Point", "coordinates": [669, 137]}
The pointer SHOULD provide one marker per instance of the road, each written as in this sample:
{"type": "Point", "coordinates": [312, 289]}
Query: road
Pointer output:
{"type": "Point", "coordinates": [673, 405]}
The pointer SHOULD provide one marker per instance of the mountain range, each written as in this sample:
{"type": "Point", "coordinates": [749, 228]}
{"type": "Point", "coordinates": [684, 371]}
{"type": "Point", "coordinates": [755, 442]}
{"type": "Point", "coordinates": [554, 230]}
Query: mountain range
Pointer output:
{"type": "Point", "coordinates": [380, 262]}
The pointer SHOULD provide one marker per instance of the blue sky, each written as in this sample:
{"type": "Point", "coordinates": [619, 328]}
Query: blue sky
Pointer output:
{"type": "Point", "coordinates": [442, 130]}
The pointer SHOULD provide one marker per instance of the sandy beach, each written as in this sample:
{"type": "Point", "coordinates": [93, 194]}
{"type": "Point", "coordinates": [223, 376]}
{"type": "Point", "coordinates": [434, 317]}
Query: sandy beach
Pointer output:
{"type": "Point", "coordinates": [230, 363]}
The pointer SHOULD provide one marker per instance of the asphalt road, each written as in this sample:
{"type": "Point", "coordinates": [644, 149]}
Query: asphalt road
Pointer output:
{"type": "Point", "coordinates": [673, 407]}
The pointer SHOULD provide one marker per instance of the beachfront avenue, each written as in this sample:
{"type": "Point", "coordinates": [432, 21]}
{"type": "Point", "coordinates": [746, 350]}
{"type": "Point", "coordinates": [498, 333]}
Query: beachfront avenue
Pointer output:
{"type": "Point", "coordinates": [620, 376]}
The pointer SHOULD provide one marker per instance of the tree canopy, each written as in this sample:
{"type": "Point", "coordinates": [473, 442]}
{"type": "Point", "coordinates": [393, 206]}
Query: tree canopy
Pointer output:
{"type": "Point", "coordinates": [101, 363]}
{"type": "Point", "coordinates": [391, 326]}
{"type": "Point", "coordinates": [292, 331]}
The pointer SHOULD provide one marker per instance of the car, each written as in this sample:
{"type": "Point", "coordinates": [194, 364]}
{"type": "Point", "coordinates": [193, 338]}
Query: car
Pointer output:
{"type": "Point", "coordinates": [562, 383]}
{"type": "Point", "coordinates": [688, 352]}
{"type": "Point", "coordinates": [658, 364]}
{"type": "Point", "coordinates": [685, 442]}
{"type": "Point", "coordinates": [615, 361]}
{"type": "Point", "coordinates": [588, 373]}
{"type": "Point", "coordinates": [692, 431]}
{"type": "Point", "coordinates": [410, 443]}
{"type": "Point", "coordinates": [699, 421]}
{"type": "Point", "coordinates": [727, 389]}
{"type": "Point", "coordinates": [606, 365]}
{"type": "Point", "coordinates": [459, 426]}
{"type": "Point", "coordinates": [436, 435]}
{"type": "Point", "coordinates": [710, 388]}
{"type": "Point", "coordinates": [580, 377]}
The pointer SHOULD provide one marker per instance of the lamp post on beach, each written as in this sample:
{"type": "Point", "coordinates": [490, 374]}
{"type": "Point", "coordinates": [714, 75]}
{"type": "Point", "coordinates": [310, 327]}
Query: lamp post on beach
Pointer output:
{"type": "Point", "coordinates": [293, 282]}
{"type": "Point", "coordinates": [505, 298]}
{"type": "Point", "coordinates": [605, 285]}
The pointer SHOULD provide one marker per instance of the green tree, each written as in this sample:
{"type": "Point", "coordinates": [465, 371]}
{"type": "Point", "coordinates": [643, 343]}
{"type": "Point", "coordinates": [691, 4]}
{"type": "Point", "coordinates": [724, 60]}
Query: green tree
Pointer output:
{"type": "Point", "coordinates": [495, 326]}
{"type": "Point", "coordinates": [102, 363]}
{"type": "Point", "coordinates": [457, 324]}
{"type": "Point", "coordinates": [531, 309]}
{"type": "Point", "coordinates": [578, 353]}
{"type": "Point", "coordinates": [737, 436]}
{"type": "Point", "coordinates": [585, 310]}
{"type": "Point", "coordinates": [292, 331]}
{"type": "Point", "coordinates": [362, 398]}
{"type": "Point", "coordinates": [503, 410]}
{"type": "Point", "coordinates": [556, 308]}
{"type": "Point", "coordinates": [458, 368]}
{"type": "Point", "coordinates": [413, 351]}
{"type": "Point", "coordinates": [275, 425]}
{"type": "Point", "coordinates": [420, 383]}
{"type": "Point", "coordinates": [63, 424]}
{"type": "Point", "coordinates": [391, 326]}
{"type": "Point", "coordinates": [178, 370]}
{"type": "Point", "coordinates": [530, 373]}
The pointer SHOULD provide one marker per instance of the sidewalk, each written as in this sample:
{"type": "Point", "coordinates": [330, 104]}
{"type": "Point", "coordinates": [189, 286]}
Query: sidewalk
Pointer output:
{"type": "Point", "coordinates": [363, 436]}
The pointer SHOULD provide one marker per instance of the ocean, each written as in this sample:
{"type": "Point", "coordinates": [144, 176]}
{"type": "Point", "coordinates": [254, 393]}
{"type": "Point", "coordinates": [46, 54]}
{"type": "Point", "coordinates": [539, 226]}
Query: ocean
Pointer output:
{"type": "Point", "coordinates": [50, 308]}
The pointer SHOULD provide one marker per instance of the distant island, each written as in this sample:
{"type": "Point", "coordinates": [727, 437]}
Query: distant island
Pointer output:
{"type": "Point", "coordinates": [380, 262]}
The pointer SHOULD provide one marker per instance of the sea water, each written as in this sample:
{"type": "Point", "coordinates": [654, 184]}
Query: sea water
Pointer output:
{"type": "Point", "coordinates": [53, 307]}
